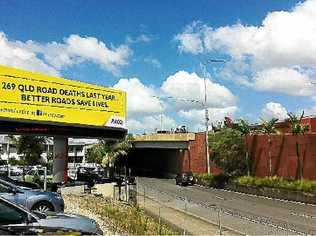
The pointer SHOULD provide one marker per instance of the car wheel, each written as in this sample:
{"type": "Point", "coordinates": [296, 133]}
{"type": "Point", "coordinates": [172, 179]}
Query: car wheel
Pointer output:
{"type": "Point", "coordinates": [43, 207]}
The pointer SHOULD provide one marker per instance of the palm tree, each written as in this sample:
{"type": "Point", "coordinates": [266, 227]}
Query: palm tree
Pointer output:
{"type": "Point", "coordinates": [297, 128]}
{"type": "Point", "coordinates": [107, 152]}
{"type": "Point", "coordinates": [244, 127]}
{"type": "Point", "coordinates": [268, 127]}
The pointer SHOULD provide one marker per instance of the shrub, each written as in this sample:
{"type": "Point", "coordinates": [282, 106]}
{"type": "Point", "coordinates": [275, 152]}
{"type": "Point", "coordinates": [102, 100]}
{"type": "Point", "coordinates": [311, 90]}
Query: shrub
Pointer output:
{"type": "Point", "coordinates": [209, 180]}
{"type": "Point", "coordinates": [204, 179]}
{"type": "Point", "coordinates": [220, 180]}
{"type": "Point", "coordinates": [229, 151]}
{"type": "Point", "coordinates": [277, 182]}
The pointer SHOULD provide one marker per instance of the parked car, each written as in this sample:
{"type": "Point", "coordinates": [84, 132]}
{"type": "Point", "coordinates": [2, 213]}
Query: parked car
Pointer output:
{"type": "Point", "coordinates": [32, 199]}
{"type": "Point", "coordinates": [19, 183]}
{"type": "Point", "coordinates": [13, 216]}
{"type": "Point", "coordinates": [89, 175]}
{"type": "Point", "coordinates": [185, 178]}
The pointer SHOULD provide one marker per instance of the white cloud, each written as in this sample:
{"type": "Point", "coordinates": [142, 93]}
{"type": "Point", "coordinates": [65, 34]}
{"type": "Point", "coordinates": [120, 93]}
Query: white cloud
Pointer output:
{"type": "Point", "coordinates": [143, 38]}
{"type": "Point", "coordinates": [149, 124]}
{"type": "Point", "coordinates": [285, 39]}
{"type": "Point", "coordinates": [51, 57]}
{"type": "Point", "coordinates": [189, 86]}
{"type": "Point", "coordinates": [196, 117]}
{"type": "Point", "coordinates": [153, 61]}
{"type": "Point", "coordinates": [15, 54]}
{"type": "Point", "coordinates": [190, 40]}
{"type": "Point", "coordinates": [284, 80]}
{"type": "Point", "coordinates": [140, 100]}
{"type": "Point", "coordinates": [274, 110]}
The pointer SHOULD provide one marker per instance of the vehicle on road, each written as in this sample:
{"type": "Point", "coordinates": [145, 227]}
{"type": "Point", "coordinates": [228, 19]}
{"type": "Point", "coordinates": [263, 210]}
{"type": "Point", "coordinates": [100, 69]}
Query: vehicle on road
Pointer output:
{"type": "Point", "coordinates": [36, 200]}
{"type": "Point", "coordinates": [185, 178]}
{"type": "Point", "coordinates": [13, 216]}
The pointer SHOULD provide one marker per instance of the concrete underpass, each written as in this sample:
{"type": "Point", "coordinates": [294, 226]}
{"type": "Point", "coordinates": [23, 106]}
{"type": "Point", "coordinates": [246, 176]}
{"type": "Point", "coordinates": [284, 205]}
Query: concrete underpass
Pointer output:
{"type": "Point", "coordinates": [165, 155]}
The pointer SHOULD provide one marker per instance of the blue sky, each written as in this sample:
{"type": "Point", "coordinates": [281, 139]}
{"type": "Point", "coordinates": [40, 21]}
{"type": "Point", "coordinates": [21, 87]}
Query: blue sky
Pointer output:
{"type": "Point", "coordinates": [154, 48]}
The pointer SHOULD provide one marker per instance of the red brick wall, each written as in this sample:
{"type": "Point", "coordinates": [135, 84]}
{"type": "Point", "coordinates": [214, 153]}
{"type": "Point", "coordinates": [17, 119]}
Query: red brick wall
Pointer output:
{"type": "Point", "coordinates": [194, 159]}
{"type": "Point", "coordinates": [283, 153]}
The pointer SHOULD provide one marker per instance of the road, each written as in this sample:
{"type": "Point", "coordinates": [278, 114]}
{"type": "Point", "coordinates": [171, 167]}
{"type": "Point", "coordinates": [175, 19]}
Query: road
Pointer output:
{"type": "Point", "coordinates": [243, 213]}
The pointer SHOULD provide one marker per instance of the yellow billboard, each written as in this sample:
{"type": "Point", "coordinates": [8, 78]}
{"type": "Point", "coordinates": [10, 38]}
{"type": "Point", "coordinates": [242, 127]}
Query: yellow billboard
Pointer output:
{"type": "Point", "coordinates": [37, 97]}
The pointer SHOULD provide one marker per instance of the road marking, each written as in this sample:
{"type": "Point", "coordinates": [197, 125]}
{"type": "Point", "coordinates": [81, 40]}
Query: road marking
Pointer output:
{"type": "Point", "coordinates": [302, 215]}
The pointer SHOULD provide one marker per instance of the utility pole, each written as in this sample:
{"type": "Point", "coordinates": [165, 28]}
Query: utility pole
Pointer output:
{"type": "Point", "coordinates": [203, 67]}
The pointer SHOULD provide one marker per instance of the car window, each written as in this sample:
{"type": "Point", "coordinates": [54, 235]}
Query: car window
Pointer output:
{"type": "Point", "coordinates": [4, 189]}
{"type": "Point", "coordinates": [11, 215]}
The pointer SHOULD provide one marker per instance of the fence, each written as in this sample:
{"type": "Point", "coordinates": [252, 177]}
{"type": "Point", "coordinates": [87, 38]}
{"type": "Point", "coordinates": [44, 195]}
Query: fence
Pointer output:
{"type": "Point", "coordinates": [182, 212]}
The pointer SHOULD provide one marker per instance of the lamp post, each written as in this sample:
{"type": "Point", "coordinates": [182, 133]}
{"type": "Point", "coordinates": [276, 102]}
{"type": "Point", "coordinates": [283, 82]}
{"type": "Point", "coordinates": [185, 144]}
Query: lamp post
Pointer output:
{"type": "Point", "coordinates": [203, 67]}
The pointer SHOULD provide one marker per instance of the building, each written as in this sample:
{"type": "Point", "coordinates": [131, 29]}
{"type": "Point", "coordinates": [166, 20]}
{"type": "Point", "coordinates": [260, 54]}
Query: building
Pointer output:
{"type": "Point", "coordinates": [77, 149]}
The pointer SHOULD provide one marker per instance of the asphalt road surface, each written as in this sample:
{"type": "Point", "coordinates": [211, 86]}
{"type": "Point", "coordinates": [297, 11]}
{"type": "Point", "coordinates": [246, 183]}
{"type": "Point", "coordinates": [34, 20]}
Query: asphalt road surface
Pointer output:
{"type": "Point", "coordinates": [243, 213]}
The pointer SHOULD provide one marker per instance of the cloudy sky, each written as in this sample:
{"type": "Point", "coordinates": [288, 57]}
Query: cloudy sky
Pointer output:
{"type": "Point", "coordinates": [154, 50]}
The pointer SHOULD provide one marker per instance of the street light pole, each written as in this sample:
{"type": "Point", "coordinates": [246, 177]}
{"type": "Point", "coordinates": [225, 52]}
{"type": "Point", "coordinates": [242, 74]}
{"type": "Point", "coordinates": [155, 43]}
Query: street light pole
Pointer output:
{"type": "Point", "coordinates": [203, 66]}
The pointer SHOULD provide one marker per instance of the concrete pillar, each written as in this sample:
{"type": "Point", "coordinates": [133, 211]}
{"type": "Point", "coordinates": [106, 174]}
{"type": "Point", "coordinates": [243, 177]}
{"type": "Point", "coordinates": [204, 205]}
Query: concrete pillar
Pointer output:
{"type": "Point", "coordinates": [60, 163]}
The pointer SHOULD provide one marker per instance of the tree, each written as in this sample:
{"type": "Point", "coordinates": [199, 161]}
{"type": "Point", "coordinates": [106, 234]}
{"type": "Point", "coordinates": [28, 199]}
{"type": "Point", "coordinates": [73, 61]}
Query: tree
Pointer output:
{"type": "Point", "coordinates": [244, 128]}
{"type": "Point", "coordinates": [297, 128]}
{"type": "Point", "coordinates": [229, 151]}
{"type": "Point", "coordinates": [107, 152]}
{"type": "Point", "coordinates": [268, 127]}
{"type": "Point", "coordinates": [31, 148]}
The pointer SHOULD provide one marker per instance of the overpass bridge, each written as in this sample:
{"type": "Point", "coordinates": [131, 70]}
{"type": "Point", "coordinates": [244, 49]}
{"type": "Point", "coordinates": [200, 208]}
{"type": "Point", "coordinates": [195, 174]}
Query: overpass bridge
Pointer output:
{"type": "Point", "coordinates": [165, 154]}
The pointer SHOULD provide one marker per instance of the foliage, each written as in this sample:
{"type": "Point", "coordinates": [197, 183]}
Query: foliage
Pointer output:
{"type": "Point", "coordinates": [243, 127]}
{"type": "Point", "coordinates": [277, 182]}
{"type": "Point", "coordinates": [15, 162]}
{"type": "Point", "coordinates": [268, 126]}
{"type": "Point", "coordinates": [209, 180]}
{"type": "Point", "coordinates": [31, 148]}
{"type": "Point", "coordinates": [108, 152]}
{"type": "Point", "coordinates": [204, 179]}
{"type": "Point", "coordinates": [229, 151]}
{"type": "Point", "coordinates": [121, 218]}
{"type": "Point", "coordinates": [296, 124]}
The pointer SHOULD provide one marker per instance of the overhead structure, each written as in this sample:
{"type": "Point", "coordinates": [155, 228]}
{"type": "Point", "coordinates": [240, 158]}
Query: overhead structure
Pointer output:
{"type": "Point", "coordinates": [37, 104]}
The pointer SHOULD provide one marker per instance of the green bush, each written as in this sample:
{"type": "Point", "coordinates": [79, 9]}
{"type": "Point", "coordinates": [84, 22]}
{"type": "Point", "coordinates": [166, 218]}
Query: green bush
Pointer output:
{"type": "Point", "coordinates": [277, 182]}
{"type": "Point", "coordinates": [209, 180]}
{"type": "Point", "coordinates": [204, 179]}
{"type": "Point", "coordinates": [220, 180]}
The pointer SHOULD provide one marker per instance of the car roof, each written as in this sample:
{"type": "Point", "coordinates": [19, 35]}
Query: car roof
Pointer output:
{"type": "Point", "coordinates": [8, 183]}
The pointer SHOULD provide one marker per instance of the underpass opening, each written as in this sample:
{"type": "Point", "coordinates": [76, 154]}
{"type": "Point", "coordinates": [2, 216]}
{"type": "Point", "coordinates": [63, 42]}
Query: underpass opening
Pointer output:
{"type": "Point", "coordinates": [159, 163]}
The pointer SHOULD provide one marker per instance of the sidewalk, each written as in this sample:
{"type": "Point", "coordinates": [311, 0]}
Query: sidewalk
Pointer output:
{"type": "Point", "coordinates": [187, 223]}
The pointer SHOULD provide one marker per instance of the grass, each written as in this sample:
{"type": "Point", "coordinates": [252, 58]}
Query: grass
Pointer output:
{"type": "Point", "coordinates": [122, 218]}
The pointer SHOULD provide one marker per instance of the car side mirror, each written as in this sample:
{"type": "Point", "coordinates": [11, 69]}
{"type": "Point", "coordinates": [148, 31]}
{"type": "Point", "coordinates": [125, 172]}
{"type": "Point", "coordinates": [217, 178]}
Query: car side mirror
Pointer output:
{"type": "Point", "coordinates": [14, 191]}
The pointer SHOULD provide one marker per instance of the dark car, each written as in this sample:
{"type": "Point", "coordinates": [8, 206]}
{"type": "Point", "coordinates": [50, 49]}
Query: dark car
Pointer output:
{"type": "Point", "coordinates": [185, 178]}
{"type": "Point", "coordinates": [15, 218]}
{"type": "Point", "coordinates": [19, 183]}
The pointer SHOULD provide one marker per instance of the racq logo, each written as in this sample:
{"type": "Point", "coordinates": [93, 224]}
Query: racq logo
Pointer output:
{"type": "Point", "coordinates": [117, 121]}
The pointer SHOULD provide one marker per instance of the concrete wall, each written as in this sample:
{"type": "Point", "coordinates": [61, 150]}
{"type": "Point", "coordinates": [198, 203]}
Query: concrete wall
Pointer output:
{"type": "Point", "coordinates": [283, 152]}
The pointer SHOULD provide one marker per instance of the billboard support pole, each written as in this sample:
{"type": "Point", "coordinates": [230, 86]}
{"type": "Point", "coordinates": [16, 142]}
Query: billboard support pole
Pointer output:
{"type": "Point", "coordinates": [60, 163]}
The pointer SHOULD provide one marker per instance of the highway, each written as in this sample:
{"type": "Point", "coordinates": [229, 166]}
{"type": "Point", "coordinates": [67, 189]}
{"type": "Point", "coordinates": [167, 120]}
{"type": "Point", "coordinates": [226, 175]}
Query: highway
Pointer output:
{"type": "Point", "coordinates": [243, 213]}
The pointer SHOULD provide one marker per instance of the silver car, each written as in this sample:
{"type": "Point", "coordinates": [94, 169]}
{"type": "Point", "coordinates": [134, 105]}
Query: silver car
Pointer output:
{"type": "Point", "coordinates": [13, 215]}
{"type": "Point", "coordinates": [36, 200]}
